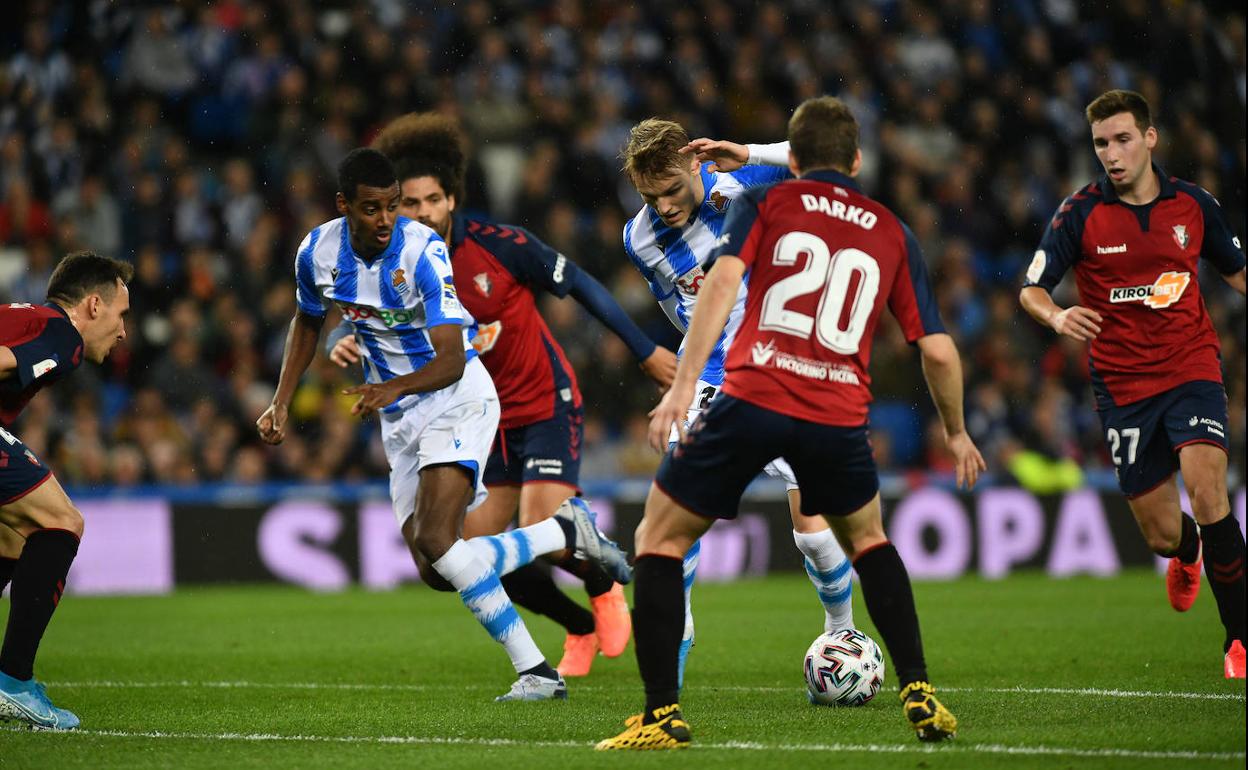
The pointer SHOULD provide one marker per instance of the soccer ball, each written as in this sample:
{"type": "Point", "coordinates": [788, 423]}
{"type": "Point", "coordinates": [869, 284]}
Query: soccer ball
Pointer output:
{"type": "Point", "coordinates": [845, 668]}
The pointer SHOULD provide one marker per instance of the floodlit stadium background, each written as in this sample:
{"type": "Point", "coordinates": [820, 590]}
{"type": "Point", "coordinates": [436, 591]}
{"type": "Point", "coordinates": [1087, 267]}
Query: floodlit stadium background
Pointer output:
{"type": "Point", "coordinates": [199, 141]}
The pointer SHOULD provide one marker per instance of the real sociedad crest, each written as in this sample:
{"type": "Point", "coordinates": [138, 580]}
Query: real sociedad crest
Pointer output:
{"type": "Point", "coordinates": [484, 284]}
{"type": "Point", "coordinates": [719, 201]}
{"type": "Point", "coordinates": [1181, 237]}
{"type": "Point", "coordinates": [398, 279]}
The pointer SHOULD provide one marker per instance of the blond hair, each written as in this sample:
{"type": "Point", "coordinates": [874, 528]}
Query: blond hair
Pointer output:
{"type": "Point", "coordinates": [654, 149]}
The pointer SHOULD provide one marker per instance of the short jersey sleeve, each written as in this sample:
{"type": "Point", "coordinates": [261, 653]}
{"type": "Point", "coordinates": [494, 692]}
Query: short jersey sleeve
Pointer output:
{"type": "Point", "coordinates": [742, 230]}
{"type": "Point", "coordinates": [531, 261]}
{"type": "Point", "coordinates": [1059, 249]}
{"type": "Point", "coordinates": [1221, 246]}
{"type": "Point", "coordinates": [436, 286]}
{"type": "Point", "coordinates": [912, 300]}
{"type": "Point", "coordinates": [308, 299]}
{"type": "Point", "coordinates": [55, 351]}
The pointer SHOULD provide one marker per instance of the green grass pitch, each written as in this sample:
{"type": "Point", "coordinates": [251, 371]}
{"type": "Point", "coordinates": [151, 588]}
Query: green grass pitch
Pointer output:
{"type": "Point", "coordinates": [1041, 673]}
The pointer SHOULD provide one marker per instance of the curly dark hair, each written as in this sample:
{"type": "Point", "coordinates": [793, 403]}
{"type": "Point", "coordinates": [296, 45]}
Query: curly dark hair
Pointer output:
{"type": "Point", "coordinates": [426, 144]}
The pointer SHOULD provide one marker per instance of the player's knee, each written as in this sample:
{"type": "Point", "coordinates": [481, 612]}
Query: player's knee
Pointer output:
{"type": "Point", "coordinates": [431, 544]}
{"type": "Point", "coordinates": [430, 577]}
{"type": "Point", "coordinates": [1209, 503]}
{"type": "Point", "coordinates": [67, 517]}
{"type": "Point", "coordinates": [1161, 542]}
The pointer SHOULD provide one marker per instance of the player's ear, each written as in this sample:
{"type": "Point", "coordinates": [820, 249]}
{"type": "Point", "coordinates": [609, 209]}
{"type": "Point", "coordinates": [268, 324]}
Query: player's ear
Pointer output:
{"type": "Point", "coordinates": [450, 203]}
{"type": "Point", "coordinates": [857, 164]}
{"type": "Point", "coordinates": [340, 203]}
{"type": "Point", "coordinates": [1150, 137]}
{"type": "Point", "coordinates": [794, 169]}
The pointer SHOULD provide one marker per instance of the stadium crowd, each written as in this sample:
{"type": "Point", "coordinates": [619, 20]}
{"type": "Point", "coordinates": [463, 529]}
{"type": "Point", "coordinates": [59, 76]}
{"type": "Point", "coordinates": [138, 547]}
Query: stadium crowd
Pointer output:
{"type": "Point", "coordinates": [199, 141]}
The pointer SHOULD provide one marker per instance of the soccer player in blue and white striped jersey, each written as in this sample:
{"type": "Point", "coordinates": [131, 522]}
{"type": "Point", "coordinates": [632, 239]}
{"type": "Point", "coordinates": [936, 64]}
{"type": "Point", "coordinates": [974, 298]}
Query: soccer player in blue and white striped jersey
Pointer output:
{"type": "Point", "coordinates": [391, 277]}
{"type": "Point", "coordinates": [670, 241]}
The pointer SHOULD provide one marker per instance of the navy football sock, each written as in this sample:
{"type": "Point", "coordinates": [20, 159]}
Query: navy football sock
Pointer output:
{"type": "Point", "coordinates": [597, 581]}
{"type": "Point", "coordinates": [1224, 565]}
{"type": "Point", "coordinates": [38, 582]}
{"type": "Point", "coordinates": [890, 603]}
{"type": "Point", "coordinates": [532, 588]}
{"type": "Point", "coordinates": [1189, 542]}
{"type": "Point", "coordinates": [7, 566]}
{"type": "Point", "coordinates": [658, 623]}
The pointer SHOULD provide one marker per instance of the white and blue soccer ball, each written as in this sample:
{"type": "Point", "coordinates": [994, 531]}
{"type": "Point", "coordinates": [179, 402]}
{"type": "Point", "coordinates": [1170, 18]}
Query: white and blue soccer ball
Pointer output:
{"type": "Point", "coordinates": [845, 668]}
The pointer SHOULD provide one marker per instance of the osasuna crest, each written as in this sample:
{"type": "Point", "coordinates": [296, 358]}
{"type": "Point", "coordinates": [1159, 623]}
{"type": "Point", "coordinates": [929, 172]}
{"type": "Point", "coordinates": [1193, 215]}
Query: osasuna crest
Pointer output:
{"type": "Point", "coordinates": [1181, 237]}
{"type": "Point", "coordinates": [398, 279]}
{"type": "Point", "coordinates": [484, 284]}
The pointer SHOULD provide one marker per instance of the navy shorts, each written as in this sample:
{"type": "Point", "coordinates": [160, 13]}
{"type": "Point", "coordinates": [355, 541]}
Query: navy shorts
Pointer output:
{"type": "Point", "coordinates": [549, 450]}
{"type": "Point", "coordinates": [1144, 438]}
{"type": "Point", "coordinates": [20, 470]}
{"type": "Point", "coordinates": [733, 440]}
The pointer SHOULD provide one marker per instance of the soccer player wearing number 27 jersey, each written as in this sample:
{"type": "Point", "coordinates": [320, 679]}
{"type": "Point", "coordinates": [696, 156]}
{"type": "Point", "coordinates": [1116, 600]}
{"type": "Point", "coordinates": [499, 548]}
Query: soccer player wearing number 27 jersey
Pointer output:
{"type": "Point", "coordinates": [1134, 239]}
{"type": "Point", "coordinates": [824, 260]}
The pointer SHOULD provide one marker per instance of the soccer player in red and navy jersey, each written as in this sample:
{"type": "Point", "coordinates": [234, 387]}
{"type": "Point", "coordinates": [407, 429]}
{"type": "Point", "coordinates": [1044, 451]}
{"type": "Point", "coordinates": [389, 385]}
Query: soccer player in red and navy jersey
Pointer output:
{"type": "Point", "coordinates": [535, 462]}
{"type": "Point", "coordinates": [1135, 239]}
{"type": "Point", "coordinates": [824, 261]}
{"type": "Point", "coordinates": [40, 345]}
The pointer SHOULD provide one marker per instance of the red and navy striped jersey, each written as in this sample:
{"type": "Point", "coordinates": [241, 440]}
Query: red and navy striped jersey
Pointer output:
{"type": "Point", "coordinates": [497, 268]}
{"type": "Point", "coordinates": [47, 348]}
{"type": "Point", "coordinates": [823, 261]}
{"type": "Point", "coordinates": [1137, 267]}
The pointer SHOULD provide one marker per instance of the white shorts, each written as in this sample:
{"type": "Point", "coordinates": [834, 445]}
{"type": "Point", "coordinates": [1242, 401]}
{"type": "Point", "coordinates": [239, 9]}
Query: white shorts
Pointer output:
{"type": "Point", "coordinates": [453, 425]}
{"type": "Point", "coordinates": [703, 394]}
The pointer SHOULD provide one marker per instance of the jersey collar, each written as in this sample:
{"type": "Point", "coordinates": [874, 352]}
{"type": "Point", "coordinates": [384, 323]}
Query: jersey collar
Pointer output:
{"type": "Point", "coordinates": [459, 230]}
{"type": "Point", "coordinates": [391, 247]}
{"type": "Point", "coordinates": [831, 177]}
{"type": "Point", "coordinates": [1163, 179]}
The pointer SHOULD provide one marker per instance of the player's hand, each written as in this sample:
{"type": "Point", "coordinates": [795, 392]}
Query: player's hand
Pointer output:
{"type": "Point", "coordinates": [725, 156]}
{"type": "Point", "coordinates": [672, 409]}
{"type": "Point", "coordinates": [968, 463]}
{"type": "Point", "coordinates": [1078, 322]}
{"type": "Point", "coordinates": [661, 367]}
{"type": "Point", "coordinates": [272, 424]}
{"type": "Point", "coordinates": [373, 396]}
{"type": "Point", "coordinates": [345, 352]}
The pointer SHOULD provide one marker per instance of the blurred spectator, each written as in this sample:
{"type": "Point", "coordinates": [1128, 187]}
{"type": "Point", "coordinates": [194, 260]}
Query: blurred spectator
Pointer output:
{"type": "Point", "coordinates": [200, 142]}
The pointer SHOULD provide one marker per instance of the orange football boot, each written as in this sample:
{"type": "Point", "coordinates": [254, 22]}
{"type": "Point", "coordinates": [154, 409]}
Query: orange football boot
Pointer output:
{"type": "Point", "coordinates": [1183, 581]}
{"type": "Point", "coordinates": [578, 654]}
{"type": "Point", "coordinates": [1233, 665]}
{"type": "Point", "coordinates": [612, 622]}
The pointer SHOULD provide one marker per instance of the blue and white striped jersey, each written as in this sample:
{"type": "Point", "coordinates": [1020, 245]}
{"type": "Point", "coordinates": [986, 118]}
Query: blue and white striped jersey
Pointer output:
{"type": "Point", "coordinates": [391, 300]}
{"type": "Point", "coordinates": [673, 260]}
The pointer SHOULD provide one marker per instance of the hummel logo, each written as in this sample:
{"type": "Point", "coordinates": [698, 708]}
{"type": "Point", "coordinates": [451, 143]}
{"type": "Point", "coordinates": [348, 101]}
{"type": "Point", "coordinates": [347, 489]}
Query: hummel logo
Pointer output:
{"type": "Point", "coordinates": [1120, 249]}
{"type": "Point", "coordinates": [763, 353]}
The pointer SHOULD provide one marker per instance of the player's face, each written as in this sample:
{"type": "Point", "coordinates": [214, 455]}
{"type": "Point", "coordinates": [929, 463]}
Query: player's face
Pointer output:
{"type": "Point", "coordinates": [1123, 150]}
{"type": "Point", "coordinates": [370, 217]}
{"type": "Point", "coordinates": [108, 327]}
{"type": "Point", "coordinates": [674, 197]}
{"type": "Point", "coordinates": [425, 201]}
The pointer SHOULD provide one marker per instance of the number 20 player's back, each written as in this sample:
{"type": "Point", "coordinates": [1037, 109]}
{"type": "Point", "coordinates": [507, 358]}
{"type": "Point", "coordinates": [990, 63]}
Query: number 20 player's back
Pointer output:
{"type": "Point", "coordinates": [824, 259]}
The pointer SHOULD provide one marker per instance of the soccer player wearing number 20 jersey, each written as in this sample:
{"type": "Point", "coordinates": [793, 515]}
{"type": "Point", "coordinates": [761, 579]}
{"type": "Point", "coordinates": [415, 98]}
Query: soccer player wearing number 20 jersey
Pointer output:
{"type": "Point", "coordinates": [824, 261]}
{"type": "Point", "coordinates": [671, 242]}
{"type": "Point", "coordinates": [1135, 239]}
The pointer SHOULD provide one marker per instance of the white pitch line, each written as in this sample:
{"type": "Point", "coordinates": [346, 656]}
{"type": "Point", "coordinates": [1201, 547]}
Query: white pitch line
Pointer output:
{"type": "Point", "coordinates": [1086, 691]}
{"type": "Point", "coordinates": [871, 748]}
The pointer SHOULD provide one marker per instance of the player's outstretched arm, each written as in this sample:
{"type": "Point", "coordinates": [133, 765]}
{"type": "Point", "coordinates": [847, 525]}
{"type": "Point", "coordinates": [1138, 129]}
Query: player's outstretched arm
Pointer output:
{"type": "Point", "coordinates": [730, 156]}
{"type": "Point", "coordinates": [445, 368]}
{"type": "Point", "coordinates": [656, 361]}
{"type": "Point", "coordinates": [1076, 321]}
{"type": "Point", "coordinates": [942, 368]}
{"type": "Point", "coordinates": [715, 301]}
{"type": "Point", "coordinates": [301, 341]}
